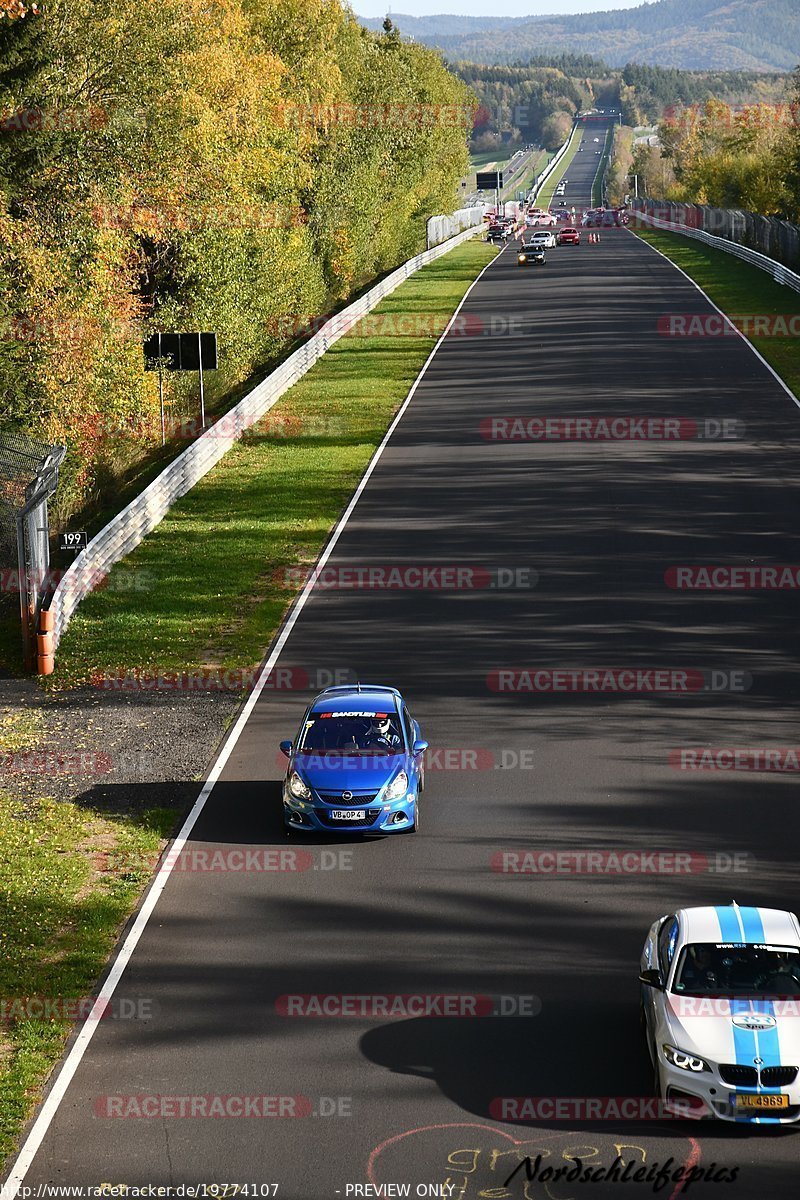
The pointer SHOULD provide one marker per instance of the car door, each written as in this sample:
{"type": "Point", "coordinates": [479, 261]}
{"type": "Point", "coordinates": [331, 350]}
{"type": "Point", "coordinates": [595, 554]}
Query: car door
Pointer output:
{"type": "Point", "coordinates": [412, 735]}
{"type": "Point", "coordinates": [666, 945]}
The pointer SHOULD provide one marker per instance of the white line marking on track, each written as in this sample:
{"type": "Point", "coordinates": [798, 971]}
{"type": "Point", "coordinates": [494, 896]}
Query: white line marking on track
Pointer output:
{"type": "Point", "coordinates": [79, 1047]}
{"type": "Point", "coordinates": [724, 315]}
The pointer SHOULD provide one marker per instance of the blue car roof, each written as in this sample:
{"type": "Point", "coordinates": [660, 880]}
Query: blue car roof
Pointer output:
{"type": "Point", "coordinates": [370, 698]}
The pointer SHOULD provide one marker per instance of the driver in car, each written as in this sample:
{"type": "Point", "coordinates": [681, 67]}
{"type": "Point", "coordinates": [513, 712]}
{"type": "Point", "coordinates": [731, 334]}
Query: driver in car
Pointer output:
{"type": "Point", "coordinates": [381, 736]}
{"type": "Point", "coordinates": [698, 972]}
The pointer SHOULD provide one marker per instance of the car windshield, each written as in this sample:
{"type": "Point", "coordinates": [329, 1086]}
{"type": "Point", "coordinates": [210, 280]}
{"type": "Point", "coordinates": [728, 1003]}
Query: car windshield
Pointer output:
{"type": "Point", "coordinates": [351, 733]}
{"type": "Point", "coordinates": [732, 969]}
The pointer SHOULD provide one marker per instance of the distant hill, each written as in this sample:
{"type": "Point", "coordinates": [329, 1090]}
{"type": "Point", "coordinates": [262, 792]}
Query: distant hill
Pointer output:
{"type": "Point", "coordinates": [694, 35]}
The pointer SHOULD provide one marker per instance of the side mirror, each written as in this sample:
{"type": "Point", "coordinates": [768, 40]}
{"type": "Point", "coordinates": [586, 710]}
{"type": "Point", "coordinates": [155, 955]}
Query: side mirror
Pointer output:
{"type": "Point", "coordinates": [419, 748]}
{"type": "Point", "coordinates": [286, 748]}
{"type": "Point", "coordinates": [652, 978]}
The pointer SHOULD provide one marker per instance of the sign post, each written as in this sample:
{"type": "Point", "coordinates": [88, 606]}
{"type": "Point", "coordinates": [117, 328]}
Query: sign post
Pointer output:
{"type": "Point", "coordinates": [200, 369]}
{"type": "Point", "coordinates": [181, 352]}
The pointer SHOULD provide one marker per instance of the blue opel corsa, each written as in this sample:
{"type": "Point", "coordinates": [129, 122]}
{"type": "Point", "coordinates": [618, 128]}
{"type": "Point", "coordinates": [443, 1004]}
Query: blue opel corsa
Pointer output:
{"type": "Point", "coordinates": [356, 763]}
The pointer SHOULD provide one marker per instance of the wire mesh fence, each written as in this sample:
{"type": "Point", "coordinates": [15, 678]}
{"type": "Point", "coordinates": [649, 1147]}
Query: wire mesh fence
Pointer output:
{"type": "Point", "coordinates": [28, 477]}
{"type": "Point", "coordinates": [771, 237]}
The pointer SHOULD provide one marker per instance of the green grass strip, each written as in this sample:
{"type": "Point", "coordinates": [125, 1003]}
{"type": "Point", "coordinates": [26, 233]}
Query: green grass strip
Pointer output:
{"type": "Point", "coordinates": [739, 290]}
{"type": "Point", "coordinates": [69, 878]}
{"type": "Point", "coordinates": [207, 588]}
{"type": "Point", "coordinates": [545, 197]}
{"type": "Point", "coordinates": [597, 182]}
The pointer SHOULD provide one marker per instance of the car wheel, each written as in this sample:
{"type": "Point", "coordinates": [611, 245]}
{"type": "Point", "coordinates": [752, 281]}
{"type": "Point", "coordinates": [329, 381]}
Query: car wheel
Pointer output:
{"type": "Point", "coordinates": [642, 1020]}
{"type": "Point", "coordinates": [415, 826]}
{"type": "Point", "coordinates": [657, 1081]}
{"type": "Point", "coordinates": [421, 784]}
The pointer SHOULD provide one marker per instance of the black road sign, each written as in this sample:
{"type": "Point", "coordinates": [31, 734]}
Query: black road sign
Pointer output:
{"type": "Point", "coordinates": [487, 181]}
{"type": "Point", "coordinates": [181, 351]}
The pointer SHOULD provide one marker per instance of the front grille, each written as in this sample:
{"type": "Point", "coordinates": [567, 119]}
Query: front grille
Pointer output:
{"type": "Point", "coordinates": [369, 818]}
{"type": "Point", "coordinates": [355, 801]}
{"type": "Point", "coordinates": [739, 1076]}
{"type": "Point", "coordinates": [778, 1076]}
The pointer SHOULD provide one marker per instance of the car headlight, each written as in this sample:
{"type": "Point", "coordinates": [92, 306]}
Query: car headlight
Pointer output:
{"type": "Point", "coordinates": [686, 1062]}
{"type": "Point", "coordinates": [297, 787]}
{"type": "Point", "coordinates": [397, 788]}
{"type": "Point", "coordinates": [521, 258]}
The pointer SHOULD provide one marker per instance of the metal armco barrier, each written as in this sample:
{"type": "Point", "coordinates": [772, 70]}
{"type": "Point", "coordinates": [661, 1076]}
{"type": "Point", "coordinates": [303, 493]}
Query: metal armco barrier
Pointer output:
{"type": "Point", "coordinates": [122, 534]}
{"type": "Point", "coordinates": [542, 179]}
{"type": "Point", "coordinates": [647, 212]}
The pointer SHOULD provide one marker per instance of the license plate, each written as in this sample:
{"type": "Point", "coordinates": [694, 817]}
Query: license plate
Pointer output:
{"type": "Point", "coordinates": [348, 814]}
{"type": "Point", "coordinates": [762, 1101]}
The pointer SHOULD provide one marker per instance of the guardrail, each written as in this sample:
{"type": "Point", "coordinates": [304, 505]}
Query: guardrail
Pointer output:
{"type": "Point", "coordinates": [542, 179]}
{"type": "Point", "coordinates": [130, 526]}
{"type": "Point", "coordinates": [777, 270]}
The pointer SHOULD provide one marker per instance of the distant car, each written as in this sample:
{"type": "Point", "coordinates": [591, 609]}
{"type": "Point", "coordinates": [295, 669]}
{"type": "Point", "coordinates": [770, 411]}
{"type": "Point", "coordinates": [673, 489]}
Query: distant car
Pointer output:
{"type": "Point", "coordinates": [540, 217]}
{"type": "Point", "coordinates": [356, 763]}
{"type": "Point", "coordinates": [596, 139]}
{"type": "Point", "coordinates": [580, 149]}
{"type": "Point", "coordinates": [568, 237]}
{"type": "Point", "coordinates": [498, 233]}
{"type": "Point", "coordinates": [544, 239]}
{"type": "Point", "coordinates": [719, 994]}
{"type": "Point", "coordinates": [531, 255]}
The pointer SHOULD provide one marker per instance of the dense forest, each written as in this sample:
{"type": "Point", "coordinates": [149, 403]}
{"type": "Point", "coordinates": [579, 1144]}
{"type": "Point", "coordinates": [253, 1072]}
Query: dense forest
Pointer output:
{"type": "Point", "coordinates": [196, 164]}
{"type": "Point", "coordinates": [726, 155]}
{"type": "Point", "coordinates": [694, 35]}
{"type": "Point", "coordinates": [647, 92]}
{"type": "Point", "coordinates": [535, 102]}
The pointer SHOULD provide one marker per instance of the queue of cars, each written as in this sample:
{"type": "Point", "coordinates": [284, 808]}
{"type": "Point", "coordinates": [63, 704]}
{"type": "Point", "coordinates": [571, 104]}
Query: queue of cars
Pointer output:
{"type": "Point", "coordinates": [608, 217]}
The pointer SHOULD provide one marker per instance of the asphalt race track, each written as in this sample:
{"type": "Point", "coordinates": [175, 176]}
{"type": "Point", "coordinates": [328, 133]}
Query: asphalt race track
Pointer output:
{"type": "Point", "coordinates": [577, 536]}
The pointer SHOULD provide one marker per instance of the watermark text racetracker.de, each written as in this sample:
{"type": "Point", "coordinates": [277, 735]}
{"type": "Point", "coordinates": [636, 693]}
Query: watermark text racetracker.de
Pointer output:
{"type": "Point", "coordinates": [609, 429]}
{"type": "Point", "coordinates": [77, 1008]}
{"type": "Point", "coordinates": [210, 1106]}
{"type": "Point", "coordinates": [722, 577]}
{"type": "Point", "coordinates": [622, 681]}
{"type": "Point", "coordinates": [396, 325]}
{"type": "Point", "coordinates": [565, 861]}
{"type": "Point", "coordinates": [767, 325]}
{"type": "Point", "coordinates": [219, 679]}
{"type": "Point", "coordinates": [408, 576]}
{"type": "Point", "coordinates": [780, 759]}
{"type": "Point", "coordinates": [407, 1006]}
{"type": "Point", "coordinates": [436, 758]}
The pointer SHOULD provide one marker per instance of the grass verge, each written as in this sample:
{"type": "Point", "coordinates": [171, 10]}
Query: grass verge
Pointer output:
{"type": "Point", "coordinates": [69, 878]}
{"type": "Point", "coordinates": [740, 290]}
{"type": "Point", "coordinates": [597, 182]}
{"type": "Point", "coordinates": [528, 178]}
{"type": "Point", "coordinates": [209, 586]}
{"type": "Point", "coordinates": [545, 197]}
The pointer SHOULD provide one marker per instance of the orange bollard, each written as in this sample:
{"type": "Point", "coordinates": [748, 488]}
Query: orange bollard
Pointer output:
{"type": "Point", "coordinates": [45, 660]}
{"type": "Point", "coordinates": [47, 621]}
{"type": "Point", "coordinates": [45, 664]}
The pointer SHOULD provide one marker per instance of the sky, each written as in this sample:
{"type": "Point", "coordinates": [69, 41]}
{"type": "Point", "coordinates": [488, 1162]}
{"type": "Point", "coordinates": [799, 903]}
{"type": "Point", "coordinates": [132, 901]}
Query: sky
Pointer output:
{"type": "Point", "coordinates": [486, 8]}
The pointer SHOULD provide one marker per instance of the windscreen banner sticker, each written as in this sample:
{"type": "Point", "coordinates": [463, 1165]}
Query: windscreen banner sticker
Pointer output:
{"type": "Point", "coordinates": [373, 715]}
